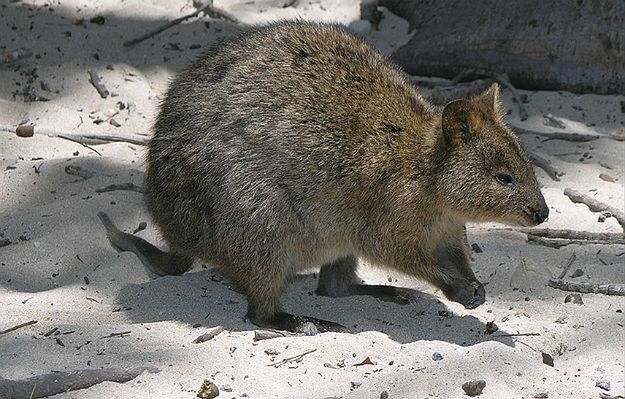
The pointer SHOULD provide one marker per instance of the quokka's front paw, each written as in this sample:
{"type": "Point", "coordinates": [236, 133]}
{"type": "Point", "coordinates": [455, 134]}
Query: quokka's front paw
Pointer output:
{"type": "Point", "coordinates": [469, 293]}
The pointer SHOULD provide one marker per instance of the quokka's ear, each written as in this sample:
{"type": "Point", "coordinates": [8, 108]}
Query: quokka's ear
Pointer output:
{"type": "Point", "coordinates": [458, 123]}
{"type": "Point", "coordinates": [489, 101]}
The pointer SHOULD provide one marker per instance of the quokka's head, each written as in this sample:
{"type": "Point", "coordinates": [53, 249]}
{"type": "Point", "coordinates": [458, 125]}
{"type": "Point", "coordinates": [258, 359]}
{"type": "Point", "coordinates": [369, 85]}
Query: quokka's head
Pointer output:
{"type": "Point", "coordinates": [483, 173]}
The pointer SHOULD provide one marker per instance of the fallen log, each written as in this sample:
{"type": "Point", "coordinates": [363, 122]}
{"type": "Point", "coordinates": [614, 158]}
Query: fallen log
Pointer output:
{"type": "Point", "coordinates": [542, 45]}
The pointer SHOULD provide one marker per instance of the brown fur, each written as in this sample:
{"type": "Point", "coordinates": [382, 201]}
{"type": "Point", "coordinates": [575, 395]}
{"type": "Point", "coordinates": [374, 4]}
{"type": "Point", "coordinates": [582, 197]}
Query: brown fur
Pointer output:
{"type": "Point", "coordinates": [299, 145]}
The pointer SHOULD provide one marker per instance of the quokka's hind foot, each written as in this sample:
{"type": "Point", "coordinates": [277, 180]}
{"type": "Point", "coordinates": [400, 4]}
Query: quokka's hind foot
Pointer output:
{"type": "Point", "coordinates": [298, 324]}
{"type": "Point", "coordinates": [157, 261]}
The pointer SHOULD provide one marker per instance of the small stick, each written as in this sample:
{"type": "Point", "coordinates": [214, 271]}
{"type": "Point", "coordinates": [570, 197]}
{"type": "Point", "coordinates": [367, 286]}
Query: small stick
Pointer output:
{"type": "Point", "coordinates": [78, 142]}
{"type": "Point", "coordinates": [209, 335]}
{"type": "Point", "coordinates": [117, 334]}
{"type": "Point", "coordinates": [260, 335]}
{"type": "Point", "coordinates": [291, 359]}
{"type": "Point", "coordinates": [52, 331]}
{"type": "Point", "coordinates": [517, 335]}
{"type": "Point", "coordinates": [559, 243]}
{"type": "Point", "coordinates": [595, 206]}
{"type": "Point", "coordinates": [568, 266]}
{"type": "Point", "coordinates": [17, 327]}
{"type": "Point", "coordinates": [544, 165]}
{"type": "Point", "coordinates": [568, 234]}
{"type": "Point", "coordinates": [587, 288]}
{"type": "Point", "coordinates": [569, 136]}
{"type": "Point", "coordinates": [208, 9]}
{"type": "Point", "coordinates": [106, 138]}
{"type": "Point", "coordinates": [99, 86]}
{"type": "Point", "coordinates": [124, 186]}
{"type": "Point", "coordinates": [89, 138]}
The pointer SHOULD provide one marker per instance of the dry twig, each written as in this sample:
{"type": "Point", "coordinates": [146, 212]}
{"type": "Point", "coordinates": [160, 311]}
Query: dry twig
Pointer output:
{"type": "Point", "coordinates": [569, 234]}
{"type": "Point", "coordinates": [124, 186]}
{"type": "Point", "coordinates": [567, 266]}
{"type": "Point", "coordinates": [568, 136]}
{"type": "Point", "coordinates": [260, 335]}
{"type": "Point", "coordinates": [517, 335]}
{"type": "Point", "coordinates": [209, 335]}
{"type": "Point", "coordinates": [595, 206]}
{"type": "Point", "coordinates": [208, 9]}
{"type": "Point", "coordinates": [88, 138]}
{"type": "Point", "coordinates": [544, 165]}
{"type": "Point", "coordinates": [585, 288]}
{"type": "Point", "coordinates": [116, 334]}
{"type": "Point", "coordinates": [17, 327]}
{"type": "Point", "coordinates": [557, 238]}
{"type": "Point", "coordinates": [291, 359]}
{"type": "Point", "coordinates": [559, 243]}
{"type": "Point", "coordinates": [99, 86]}
{"type": "Point", "coordinates": [588, 288]}
{"type": "Point", "coordinates": [79, 142]}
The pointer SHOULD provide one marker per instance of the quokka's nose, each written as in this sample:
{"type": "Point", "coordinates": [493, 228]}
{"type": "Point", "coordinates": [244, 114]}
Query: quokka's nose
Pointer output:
{"type": "Point", "coordinates": [540, 215]}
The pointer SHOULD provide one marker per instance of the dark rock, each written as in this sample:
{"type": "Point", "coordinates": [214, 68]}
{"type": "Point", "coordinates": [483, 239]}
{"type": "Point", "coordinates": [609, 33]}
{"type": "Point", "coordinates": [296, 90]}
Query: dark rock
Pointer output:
{"type": "Point", "coordinates": [208, 390]}
{"type": "Point", "coordinates": [603, 384]}
{"type": "Point", "coordinates": [547, 359]}
{"type": "Point", "coordinates": [575, 298]}
{"type": "Point", "coordinates": [474, 388]}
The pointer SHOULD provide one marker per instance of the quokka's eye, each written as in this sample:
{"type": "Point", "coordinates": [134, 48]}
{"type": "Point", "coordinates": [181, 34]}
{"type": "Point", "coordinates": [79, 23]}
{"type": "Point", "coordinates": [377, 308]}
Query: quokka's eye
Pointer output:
{"type": "Point", "coordinates": [505, 179]}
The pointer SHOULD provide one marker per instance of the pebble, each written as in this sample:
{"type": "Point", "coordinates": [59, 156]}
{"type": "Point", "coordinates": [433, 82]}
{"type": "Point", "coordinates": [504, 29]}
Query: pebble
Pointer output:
{"type": "Point", "coordinates": [356, 384]}
{"type": "Point", "coordinates": [474, 388]}
{"type": "Point", "coordinates": [603, 384]}
{"type": "Point", "coordinates": [606, 177]}
{"type": "Point", "coordinates": [436, 356]}
{"type": "Point", "coordinates": [547, 359]}
{"type": "Point", "coordinates": [575, 298]}
{"type": "Point", "coordinates": [577, 273]}
{"type": "Point", "coordinates": [208, 390]}
{"type": "Point", "coordinates": [25, 131]}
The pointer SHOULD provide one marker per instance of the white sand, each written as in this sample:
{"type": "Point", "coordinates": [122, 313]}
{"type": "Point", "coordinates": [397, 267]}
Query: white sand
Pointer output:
{"type": "Point", "coordinates": [42, 276]}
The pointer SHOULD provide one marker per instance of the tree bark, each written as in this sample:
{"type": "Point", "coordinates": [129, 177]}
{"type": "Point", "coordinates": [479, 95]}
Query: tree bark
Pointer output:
{"type": "Point", "coordinates": [577, 46]}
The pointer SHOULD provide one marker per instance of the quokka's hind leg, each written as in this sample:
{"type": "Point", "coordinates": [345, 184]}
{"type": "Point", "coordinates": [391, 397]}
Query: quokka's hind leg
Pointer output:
{"type": "Point", "coordinates": [155, 260]}
{"type": "Point", "coordinates": [264, 289]}
{"type": "Point", "coordinates": [339, 278]}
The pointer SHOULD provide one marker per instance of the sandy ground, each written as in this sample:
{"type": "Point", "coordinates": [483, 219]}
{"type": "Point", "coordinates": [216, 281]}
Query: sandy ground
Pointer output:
{"type": "Point", "coordinates": [60, 270]}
